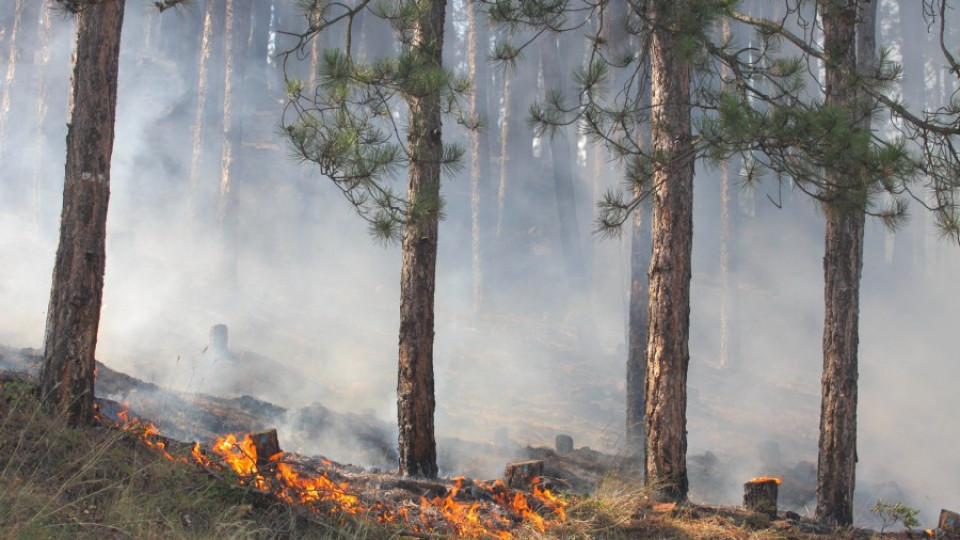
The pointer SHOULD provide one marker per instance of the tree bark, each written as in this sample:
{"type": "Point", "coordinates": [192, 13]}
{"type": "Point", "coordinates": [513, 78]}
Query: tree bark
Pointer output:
{"type": "Point", "coordinates": [10, 72]}
{"type": "Point", "coordinates": [729, 247]}
{"type": "Point", "coordinates": [73, 316]}
{"type": "Point", "coordinates": [202, 92]}
{"type": "Point", "coordinates": [415, 397]}
{"type": "Point", "coordinates": [842, 265]}
{"type": "Point", "coordinates": [42, 59]}
{"type": "Point", "coordinates": [236, 24]}
{"type": "Point", "coordinates": [668, 354]}
{"type": "Point", "coordinates": [729, 280]}
{"type": "Point", "coordinates": [637, 347]}
{"type": "Point", "coordinates": [479, 147]}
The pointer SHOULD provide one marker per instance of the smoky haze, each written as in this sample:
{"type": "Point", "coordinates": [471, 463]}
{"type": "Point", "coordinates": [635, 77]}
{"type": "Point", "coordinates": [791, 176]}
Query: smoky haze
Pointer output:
{"type": "Point", "coordinates": [313, 309]}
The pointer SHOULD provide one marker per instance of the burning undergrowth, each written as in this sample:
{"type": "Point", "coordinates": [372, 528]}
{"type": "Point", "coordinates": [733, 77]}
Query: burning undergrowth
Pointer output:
{"type": "Point", "coordinates": [458, 507]}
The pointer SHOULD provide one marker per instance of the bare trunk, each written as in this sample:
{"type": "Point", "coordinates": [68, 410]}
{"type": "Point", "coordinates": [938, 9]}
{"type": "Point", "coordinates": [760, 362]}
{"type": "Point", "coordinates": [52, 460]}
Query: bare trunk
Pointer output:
{"type": "Point", "coordinates": [43, 59]}
{"type": "Point", "coordinates": [478, 169]}
{"type": "Point", "coordinates": [198, 122]}
{"type": "Point", "coordinates": [13, 55]}
{"type": "Point", "coordinates": [729, 289]}
{"type": "Point", "coordinates": [67, 374]}
{"type": "Point", "coordinates": [637, 335]}
{"type": "Point", "coordinates": [415, 397]}
{"type": "Point", "coordinates": [668, 354]}
{"type": "Point", "coordinates": [236, 23]}
{"type": "Point", "coordinates": [562, 158]}
{"type": "Point", "coordinates": [729, 282]}
{"type": "Point", "coordinates": [842, 265]}
{"type": "Point", "coordinates": [504, 151]}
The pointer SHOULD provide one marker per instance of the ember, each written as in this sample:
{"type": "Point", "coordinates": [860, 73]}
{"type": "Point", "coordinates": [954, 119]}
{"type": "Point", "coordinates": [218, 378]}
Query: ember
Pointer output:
{"type": "Point", "coordinates": [467, 509]}
{"type": "Point", "coordinates": [763, 479]}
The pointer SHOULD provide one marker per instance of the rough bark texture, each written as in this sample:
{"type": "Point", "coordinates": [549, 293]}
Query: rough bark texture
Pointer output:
{"type": "Point", "coordinates": [842, 264]}
{"type": "Point", "coordinates": [637, 335]}
{"type": "Point", "coordinates": [415, 398]}
{"type": "Point", "coordinates": [668, 354]}
{"type": "Point", "coordinates": [73, 315]}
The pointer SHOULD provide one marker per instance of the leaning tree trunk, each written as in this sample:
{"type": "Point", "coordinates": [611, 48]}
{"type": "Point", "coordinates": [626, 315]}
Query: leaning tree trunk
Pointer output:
{"type": "Point", "coordinates": [67, 374]}
{"type": "Point", "coordinates": [842, 265]}
{"type": "Point", "coordinates": [668, 354]}
{"type": "Point", "coordinates": [415, 398]}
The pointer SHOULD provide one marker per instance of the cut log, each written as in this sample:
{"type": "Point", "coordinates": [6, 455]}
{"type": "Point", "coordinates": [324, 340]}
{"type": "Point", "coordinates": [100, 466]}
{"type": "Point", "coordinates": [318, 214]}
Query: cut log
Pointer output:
{"type": "Point", "coordinates": [949, 522]}
{"type": "Point", "coordinates": [564, 444]}
{"type": "Point", "coordinates": [521, 475]}
{"type": "Point", "coordinates": [760, 495]}
{"type": "Point", "coordinates": [266, 444]}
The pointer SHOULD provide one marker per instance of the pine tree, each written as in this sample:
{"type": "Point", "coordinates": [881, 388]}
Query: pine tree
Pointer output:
{"type": "Point", "coordinates": [73, 315]}
{"type": "Point", "coordinates": [347, 126]}
{"type": "Point", "coordinates": [67, 374]}
{"type": "Point", "coordinates": [753, 102]}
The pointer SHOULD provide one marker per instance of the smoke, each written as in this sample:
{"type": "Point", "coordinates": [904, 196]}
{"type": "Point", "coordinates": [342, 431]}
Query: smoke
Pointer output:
{"type": "Point", "coordinates": [313, 311]}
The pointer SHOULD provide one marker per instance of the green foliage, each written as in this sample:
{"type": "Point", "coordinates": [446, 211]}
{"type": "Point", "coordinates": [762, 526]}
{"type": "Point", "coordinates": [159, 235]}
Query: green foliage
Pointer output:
{"type": "Point", "coordinates": [898, 512]}
{"type": "Point", "coordinates": [753, 99]}
{"type": "Point", "coordinates": [354, 125]}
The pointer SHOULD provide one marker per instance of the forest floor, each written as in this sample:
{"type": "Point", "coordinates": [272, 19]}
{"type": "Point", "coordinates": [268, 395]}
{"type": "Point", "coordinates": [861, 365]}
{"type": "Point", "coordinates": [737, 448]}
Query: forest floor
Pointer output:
{"type": "Point", "coordinates": [109, 482]}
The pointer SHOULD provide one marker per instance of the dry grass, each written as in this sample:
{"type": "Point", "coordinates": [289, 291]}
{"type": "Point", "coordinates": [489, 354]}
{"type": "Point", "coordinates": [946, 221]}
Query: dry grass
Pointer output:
{"type": "Point", "coordinates": [60, 482]}
{"type": "Point", "coordinates": [103, 483]}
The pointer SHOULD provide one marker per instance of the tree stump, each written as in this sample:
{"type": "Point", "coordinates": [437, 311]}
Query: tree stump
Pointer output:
{"type": "Point", "coordinates": [564, 444]}
{"type": "Point", "coordinates": [521, 475]}
{"type": "Point", "coordinates": [760, 495]}
{"type": "Point", "coordinates": [266, 444]}
{"type": "Point", "coordinates": [218, 339]}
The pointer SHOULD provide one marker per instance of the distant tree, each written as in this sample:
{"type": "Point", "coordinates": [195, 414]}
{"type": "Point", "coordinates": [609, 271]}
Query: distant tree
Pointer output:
{"type": "Point", "coordinates": [73, 316]}
{"type": "Point", "coordinates": [350, 127]}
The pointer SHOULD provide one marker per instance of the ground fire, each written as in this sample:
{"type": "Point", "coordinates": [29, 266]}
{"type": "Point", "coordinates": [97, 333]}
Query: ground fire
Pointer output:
{"type": "Point", "coordinates": [467, 508]}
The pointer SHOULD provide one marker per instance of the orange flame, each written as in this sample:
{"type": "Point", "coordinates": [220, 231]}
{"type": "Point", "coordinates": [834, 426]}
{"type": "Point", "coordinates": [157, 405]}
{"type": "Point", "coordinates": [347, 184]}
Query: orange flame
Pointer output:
{"type": "Point", "coordinates": [473, 519]}
{"type": "Point", "coordinates": [763, 479]}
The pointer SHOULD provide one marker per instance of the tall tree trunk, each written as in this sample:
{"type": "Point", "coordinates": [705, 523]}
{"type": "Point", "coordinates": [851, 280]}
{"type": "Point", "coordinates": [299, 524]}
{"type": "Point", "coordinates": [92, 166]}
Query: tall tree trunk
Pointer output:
{"type": "Point", "coordinates": [637, 335]}
{"type": "Point", "coordinates": [73, 316]}
{"type": "Point", "coordinates": [42, 60]}
{"type": "Point", "coordinates": [842, 265]}
{"type": "Point", "coordinates": [235, 40]}
{"type": "Point", "coordinates": [13, 54]}
{"type": "Point", "coordinates": [415, 397]}
{"type": "Point", "coordinates": [562, 157]}
{"type": "Point", "coordinates": [479, 147]}
{"type": "Point", "coordinates": [504, 150]}
{"type": "Point", "coordinates": [729, 288]}
{"type": "Point", "coordinates": [202, 92]}
{"type": "Point", "coordinates": [668, 353]}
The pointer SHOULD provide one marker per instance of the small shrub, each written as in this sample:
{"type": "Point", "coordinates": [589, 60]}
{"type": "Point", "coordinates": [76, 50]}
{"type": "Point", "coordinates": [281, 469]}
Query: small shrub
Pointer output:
{"type": "Point", "coordinates": [892, 513]}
